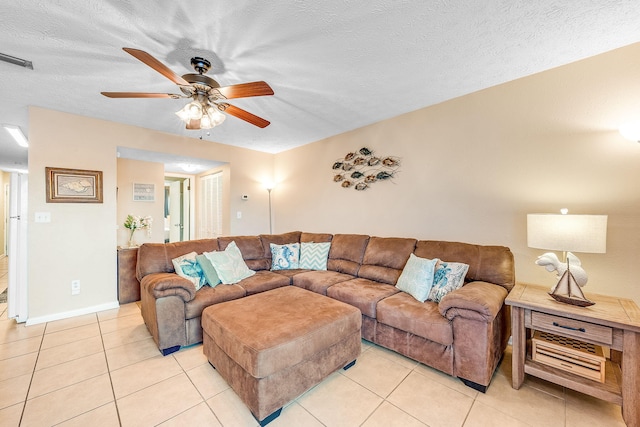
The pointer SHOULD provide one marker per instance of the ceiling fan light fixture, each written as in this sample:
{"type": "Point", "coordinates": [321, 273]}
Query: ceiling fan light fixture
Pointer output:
{"type": "Point", "coordinates": [211, 117]}
{"type": "Point", "coordinates": [191, 111]}
{"type": "Point", "coordinates": [203, 112]}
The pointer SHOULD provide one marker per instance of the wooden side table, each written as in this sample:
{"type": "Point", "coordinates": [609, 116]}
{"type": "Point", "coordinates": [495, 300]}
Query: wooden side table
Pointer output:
{"type": "Point", "coordinates": [612, 322]}
{"type": "Point", "coordinates": [128, 285]}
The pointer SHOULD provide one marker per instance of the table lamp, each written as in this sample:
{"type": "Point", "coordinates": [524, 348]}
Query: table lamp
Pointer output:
{"type": "Point", "coordinates": [567, 233]}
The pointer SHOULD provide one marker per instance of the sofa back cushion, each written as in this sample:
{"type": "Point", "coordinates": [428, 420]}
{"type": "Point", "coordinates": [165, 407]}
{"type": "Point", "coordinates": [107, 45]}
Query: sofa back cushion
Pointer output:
{"type": "Point", "coordinates": [278, 239]}
{"type": "Point", "coordinates": [493, 264]}
{"type": "Point", "coordinates": [315, 237]}
{"type": "Point", "coordinates": [251, 249]}
{"type": "Point", "coordinates": [385, 257]}
{"type": "Point", "coordinates": [156, 257]}
{"type": "Point", "coordinates": [347, 251]}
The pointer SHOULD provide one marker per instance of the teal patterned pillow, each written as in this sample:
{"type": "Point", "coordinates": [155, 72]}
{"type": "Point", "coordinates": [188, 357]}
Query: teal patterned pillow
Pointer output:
{"type": "Point", "coordinates": [229, 264]}
{"type": "Point", "coordinates": [208, 270]}
{"type": "Point", "coordinates": [285, 257]}
{"type": "Point", "coordinates": [186, 266]}
{"type": "Point", "coordinates": [417, 277]}
{"type": "Point", "coordinates": [313, 256]}
{"type": "Point", "coordinates": [448, 277]}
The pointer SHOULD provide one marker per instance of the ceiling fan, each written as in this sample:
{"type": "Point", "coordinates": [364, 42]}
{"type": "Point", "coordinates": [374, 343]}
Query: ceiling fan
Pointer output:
{"type": "Point", "coordinates": [205, 109]}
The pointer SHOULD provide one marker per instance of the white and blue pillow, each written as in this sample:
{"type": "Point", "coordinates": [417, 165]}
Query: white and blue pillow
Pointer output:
{"type": "Point", "coordinates": [417, 277]}
{"type": "Point", "coordinates": [448, 277]}
{"type": "Point", "coordinates": [285, 257]}
{"type": "Point", "coordinates": [187, 266]}
{"type": "Point", "coordinates": [229, 264]}
{"type": "Point", "coordinates": [313, 256]}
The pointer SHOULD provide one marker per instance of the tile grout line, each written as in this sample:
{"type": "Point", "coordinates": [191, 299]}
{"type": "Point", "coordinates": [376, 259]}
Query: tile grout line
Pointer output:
{"type": "Point", "coordinates": [204, 400]}
{"type": "Point", "coordinates": [106, 360]}
{"type": "Point", "coordinates": [71, 385]}
{"type": "Point", "coordinates": [26, 397]}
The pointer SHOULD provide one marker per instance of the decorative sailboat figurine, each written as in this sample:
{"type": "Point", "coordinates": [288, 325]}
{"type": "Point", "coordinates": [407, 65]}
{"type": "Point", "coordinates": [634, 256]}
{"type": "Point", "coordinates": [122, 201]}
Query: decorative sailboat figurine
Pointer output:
{"type": "Point", "coordinates": [568, 291]}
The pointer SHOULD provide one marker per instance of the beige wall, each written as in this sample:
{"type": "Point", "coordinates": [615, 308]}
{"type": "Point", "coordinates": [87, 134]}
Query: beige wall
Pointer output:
{"type": "Point", "coordinates": [135, 171]}
{"type": "Point", "coordinates": [80, 241]}
{"type": "Point", "coordinates": [473, 167]}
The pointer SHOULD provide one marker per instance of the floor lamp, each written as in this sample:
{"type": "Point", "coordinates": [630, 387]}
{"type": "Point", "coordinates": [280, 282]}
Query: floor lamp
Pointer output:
{"type": "Point", "coordinates": [269, 188]}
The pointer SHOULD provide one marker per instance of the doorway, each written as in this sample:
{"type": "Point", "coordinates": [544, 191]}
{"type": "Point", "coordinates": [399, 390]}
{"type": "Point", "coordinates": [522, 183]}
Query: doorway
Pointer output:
{"type": "Point", "coordinates": [177, 209]}
{"type": "Point", "coordinates": [17, 248]}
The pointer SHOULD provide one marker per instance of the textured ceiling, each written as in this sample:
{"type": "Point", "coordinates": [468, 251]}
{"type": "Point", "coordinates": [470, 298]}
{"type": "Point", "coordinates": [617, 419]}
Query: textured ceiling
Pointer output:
{"type": "Point", "coordinates": [334, 65]}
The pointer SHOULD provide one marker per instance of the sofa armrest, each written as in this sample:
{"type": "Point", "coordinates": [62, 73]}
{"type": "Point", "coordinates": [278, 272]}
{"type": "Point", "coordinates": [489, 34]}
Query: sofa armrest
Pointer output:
{"type": "Point", "coordinates": [476, 301]}
{"type": "Point", "coordinates": [168, 284]}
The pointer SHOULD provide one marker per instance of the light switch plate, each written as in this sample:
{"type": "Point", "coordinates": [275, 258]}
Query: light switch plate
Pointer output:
{"type": "Point", "coordinates": [43, 217]}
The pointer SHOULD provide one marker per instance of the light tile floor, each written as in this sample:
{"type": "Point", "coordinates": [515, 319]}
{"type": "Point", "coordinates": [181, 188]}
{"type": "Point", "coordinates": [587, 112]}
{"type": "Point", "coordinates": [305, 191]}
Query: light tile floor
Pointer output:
{"type": "Point", "coordinates": [104, 370]}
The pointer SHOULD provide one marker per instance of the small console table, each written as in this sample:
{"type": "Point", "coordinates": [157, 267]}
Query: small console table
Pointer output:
{"type": "Point", "coordinates": [128, 285]}
{"type": "Point", "coordinates": [612, 322]}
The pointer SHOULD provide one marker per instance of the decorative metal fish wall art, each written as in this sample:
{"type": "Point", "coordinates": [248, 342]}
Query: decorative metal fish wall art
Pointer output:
{"type": "Point", "coordinates": [363, 168]}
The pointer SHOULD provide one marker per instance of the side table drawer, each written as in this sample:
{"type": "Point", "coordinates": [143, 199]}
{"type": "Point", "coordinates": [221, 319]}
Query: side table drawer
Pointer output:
{"type": "Point", "coordinates": [572, 328]}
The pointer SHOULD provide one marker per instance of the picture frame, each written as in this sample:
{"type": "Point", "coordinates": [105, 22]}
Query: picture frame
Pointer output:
{"type": "Point", "coordinates": [144, 192]}
{"type": "Point", "coordinates": [73, 185]}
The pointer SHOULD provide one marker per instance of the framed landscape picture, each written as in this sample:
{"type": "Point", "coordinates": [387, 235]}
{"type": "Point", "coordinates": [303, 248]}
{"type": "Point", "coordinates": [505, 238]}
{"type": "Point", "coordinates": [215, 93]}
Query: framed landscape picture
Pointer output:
{"type": "Point", "coordinates": [73, 185]}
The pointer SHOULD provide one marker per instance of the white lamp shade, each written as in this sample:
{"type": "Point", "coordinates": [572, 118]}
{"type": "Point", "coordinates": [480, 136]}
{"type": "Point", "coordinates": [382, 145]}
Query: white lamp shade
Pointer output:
{"type": "Point", "coordinates": [569, 233]}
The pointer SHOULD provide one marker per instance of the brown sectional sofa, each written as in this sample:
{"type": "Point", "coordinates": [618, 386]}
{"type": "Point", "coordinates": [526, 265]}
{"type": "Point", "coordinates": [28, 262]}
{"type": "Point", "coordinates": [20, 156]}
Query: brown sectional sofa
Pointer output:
{"type": "Point", "coordinates": [464, 335]}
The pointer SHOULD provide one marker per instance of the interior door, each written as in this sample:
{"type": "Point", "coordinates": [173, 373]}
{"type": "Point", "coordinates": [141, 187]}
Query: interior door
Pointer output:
{"type": "Point", "coordinates": [17, 250]}
{"type": "Point", "coordinates": [175, 211]}
{"type": "Point", "coordinates": [186, 214]}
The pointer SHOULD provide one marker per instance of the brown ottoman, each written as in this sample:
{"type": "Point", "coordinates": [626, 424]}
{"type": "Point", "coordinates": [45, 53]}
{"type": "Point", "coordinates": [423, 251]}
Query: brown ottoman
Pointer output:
{"type": "Point", "coordinates": [273, 346]}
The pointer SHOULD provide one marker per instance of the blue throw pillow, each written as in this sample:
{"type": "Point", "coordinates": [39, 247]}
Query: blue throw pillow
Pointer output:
{"type": "Point", "coordinates": [208, 270]}
{"type": "Point", "coordinates": [313, 256]}
{"type": "Point", "coordinates": [417, 277]}
{"type": "Point", "coordinates": [285, 257]}
{"type": "Point", "coordinates": [448, 277]}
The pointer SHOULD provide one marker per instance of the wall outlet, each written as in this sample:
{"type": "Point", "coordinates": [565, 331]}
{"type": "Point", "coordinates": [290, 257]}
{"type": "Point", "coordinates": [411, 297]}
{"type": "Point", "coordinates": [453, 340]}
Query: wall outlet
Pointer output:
{"type": "Point", "coordinates": [75, 287]}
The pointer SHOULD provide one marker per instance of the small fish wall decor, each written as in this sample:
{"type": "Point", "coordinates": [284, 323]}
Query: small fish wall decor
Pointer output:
{"type": "Point", "coordinates": [363, 168]}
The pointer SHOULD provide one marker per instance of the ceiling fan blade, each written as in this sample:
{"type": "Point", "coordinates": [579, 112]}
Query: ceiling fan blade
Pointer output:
{"type": "Point", "coordinates": [194, 124]}
{"type": "Point", "coordinates": [156, 65]}
{"type": "Point", "coordinates": [246, 116]}
{"type": "Point", "coordinates": [245, 90]}
{"type": "Point", "coordinates": [139, 95]}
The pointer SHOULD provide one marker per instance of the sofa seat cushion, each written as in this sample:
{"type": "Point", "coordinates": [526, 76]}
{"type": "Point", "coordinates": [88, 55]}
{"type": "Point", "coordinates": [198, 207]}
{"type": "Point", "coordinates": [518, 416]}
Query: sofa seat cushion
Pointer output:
{"type": "Point", "coordinates": [291, 273]}
{"type": "Point", "coordinates": [362, 293]}
{"type": "Point", "coordinates": [423, 319]}
{"type": "Point", "coordinates": [264, 280]}
{"type": "Point", "coordinates": [319, 281]}
{"type": "Point", "coordinates": [207, 296]}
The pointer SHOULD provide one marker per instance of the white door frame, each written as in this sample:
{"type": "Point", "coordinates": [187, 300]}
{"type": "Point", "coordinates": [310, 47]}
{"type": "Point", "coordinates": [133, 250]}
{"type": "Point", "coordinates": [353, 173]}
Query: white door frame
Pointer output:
{"type": "Point", "coordinates": [17, 251]}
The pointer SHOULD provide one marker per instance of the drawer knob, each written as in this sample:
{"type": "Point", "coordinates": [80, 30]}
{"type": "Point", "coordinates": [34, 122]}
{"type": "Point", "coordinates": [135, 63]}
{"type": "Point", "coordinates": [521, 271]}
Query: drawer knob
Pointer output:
{"type": "Point", "coordinates": [569, 327]}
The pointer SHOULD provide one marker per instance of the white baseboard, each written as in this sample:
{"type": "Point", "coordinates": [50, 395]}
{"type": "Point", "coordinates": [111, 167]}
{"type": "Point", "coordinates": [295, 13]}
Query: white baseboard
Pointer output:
{"type": "Point", "coordinates": [73, 313]}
